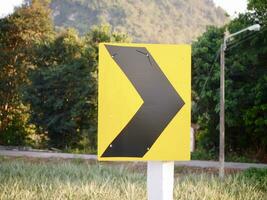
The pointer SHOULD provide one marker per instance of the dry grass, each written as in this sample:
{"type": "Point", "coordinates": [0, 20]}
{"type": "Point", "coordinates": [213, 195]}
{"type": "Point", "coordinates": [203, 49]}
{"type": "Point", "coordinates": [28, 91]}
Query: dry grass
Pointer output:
{"type": "Point", "coordinates": [65, 179]}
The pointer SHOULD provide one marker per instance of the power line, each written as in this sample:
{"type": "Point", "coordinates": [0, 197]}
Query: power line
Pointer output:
{"type": "Point", "coordinates": [249, 36]}
{"type": "Point", "coordinates": [230, 46]}
{"type": "Point", "coordinates": [211, 69]}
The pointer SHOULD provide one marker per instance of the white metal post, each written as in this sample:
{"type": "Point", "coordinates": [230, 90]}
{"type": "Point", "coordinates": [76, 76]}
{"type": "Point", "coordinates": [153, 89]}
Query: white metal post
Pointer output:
{"type": "Point", "coordinates": [160, 179]}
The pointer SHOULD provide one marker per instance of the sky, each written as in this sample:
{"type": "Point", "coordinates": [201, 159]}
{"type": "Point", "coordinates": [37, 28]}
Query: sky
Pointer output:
{"type": "Point", "coordinates": [232, 7]}
{"type": "Point", "coordinates": [7, 6]}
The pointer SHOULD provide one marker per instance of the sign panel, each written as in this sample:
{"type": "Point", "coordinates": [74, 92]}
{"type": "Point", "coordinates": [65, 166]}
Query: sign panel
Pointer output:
{"type": "Point", "coordinates": [144, 102]}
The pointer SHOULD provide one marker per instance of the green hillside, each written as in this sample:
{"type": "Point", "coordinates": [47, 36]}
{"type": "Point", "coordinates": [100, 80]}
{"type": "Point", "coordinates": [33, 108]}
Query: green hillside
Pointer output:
{"type": "Point", "coordinates": [164, 21]}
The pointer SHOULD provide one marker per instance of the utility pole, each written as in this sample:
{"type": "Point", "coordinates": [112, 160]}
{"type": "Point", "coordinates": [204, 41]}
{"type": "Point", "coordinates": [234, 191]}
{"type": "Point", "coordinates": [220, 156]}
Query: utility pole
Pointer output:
{"type": "Point", "coordinates": [222, 123]}
{"type": "Point", "coordinates": [255, 27]}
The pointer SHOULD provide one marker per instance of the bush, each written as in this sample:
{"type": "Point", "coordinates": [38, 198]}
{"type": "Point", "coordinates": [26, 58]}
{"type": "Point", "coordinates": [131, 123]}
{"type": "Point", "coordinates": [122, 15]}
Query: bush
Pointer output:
{"type": "Point", "coordinates": [202, 154]}
{"type": "Point", "coordinates": [15, 133]}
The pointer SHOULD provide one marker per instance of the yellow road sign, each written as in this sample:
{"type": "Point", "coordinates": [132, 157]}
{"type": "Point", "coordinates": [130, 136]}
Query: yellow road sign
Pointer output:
{"type": "Point", "coordinates": [144, 102]}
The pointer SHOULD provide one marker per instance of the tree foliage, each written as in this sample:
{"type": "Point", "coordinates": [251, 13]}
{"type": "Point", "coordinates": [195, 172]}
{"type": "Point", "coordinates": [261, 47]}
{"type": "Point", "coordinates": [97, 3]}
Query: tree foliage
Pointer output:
{"type": "Point", "coordinates": [18, 34]}
{"type": "Point", "coordinates": [59, 91]}
{"type": "Point", "coordinates": [63, 87]}
{"type": "Point", "coordinates": [260, 9]}
{"type": "Point", "coordinates": [205, 83]}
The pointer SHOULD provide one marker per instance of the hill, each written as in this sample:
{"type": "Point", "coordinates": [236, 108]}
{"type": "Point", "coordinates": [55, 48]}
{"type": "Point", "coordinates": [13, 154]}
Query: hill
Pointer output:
{"type": "Point", "coordinates": [153, 21]}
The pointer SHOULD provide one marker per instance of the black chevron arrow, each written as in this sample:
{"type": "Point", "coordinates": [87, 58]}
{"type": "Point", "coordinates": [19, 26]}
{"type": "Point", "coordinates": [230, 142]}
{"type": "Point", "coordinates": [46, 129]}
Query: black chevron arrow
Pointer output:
{"type": "Point", "coordinates": [161, 102]}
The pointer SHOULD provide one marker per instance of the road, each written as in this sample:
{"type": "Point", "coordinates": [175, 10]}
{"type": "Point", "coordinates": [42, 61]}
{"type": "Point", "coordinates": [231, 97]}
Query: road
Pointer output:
{"type": "Point", "coordinates": [192, 163]}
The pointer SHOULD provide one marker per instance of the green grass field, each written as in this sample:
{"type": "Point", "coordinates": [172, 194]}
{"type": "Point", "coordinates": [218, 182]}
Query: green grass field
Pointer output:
{"type": "Point", "coordinates": [29, 179]}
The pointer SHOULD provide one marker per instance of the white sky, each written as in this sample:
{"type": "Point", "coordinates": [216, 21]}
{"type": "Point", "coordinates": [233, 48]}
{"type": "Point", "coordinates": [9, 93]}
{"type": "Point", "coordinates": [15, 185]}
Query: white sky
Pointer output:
{"type": "Point", "coordinates": [232, 7]}
{"type": "Point", "coordinates": [7, 6]}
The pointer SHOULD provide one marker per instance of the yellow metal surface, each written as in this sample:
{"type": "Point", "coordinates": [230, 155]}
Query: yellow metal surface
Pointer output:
{"type": "Point", "coordinates": [118, 101]}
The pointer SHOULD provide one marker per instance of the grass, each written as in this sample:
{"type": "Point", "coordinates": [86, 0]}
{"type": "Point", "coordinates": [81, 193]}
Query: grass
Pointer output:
{"type": "Point", "coordinates": [29, 179]}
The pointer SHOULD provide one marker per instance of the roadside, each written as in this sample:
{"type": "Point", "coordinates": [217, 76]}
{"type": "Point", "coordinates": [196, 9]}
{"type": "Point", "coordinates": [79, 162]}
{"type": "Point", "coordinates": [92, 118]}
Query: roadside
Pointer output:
{"type": "Point", "coordinates": [192, 163]}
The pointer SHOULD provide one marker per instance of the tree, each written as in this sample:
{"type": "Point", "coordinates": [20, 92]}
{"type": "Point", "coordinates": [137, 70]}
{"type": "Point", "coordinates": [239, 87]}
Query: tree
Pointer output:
{"type": "Point", "coordinates": [247, 87]}
{"type": "Point", "coordinates": [260, 9]}
{"type": "Point", "coordinates": [19, 32]}
{"type": "Point", "coordinates": [60, 89]}
{"type": "Point", "coordinates": [63, 87]}
{"type": "Point", "coordinates": [205, 84]}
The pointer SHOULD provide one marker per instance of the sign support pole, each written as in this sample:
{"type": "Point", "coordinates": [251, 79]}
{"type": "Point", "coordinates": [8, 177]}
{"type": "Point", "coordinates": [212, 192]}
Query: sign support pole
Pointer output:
{"type": "Point", "coordinates": [160, 179]}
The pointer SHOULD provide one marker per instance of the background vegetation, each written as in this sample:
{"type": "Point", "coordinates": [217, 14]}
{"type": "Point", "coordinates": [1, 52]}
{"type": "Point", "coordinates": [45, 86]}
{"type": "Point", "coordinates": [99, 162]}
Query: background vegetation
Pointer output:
{"type": "Point", "coordinates": [48, 76]}
{"type": "Point", "coordinates": [48, 80]}
{"type": "Point", "coordinates": [153, 21]}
